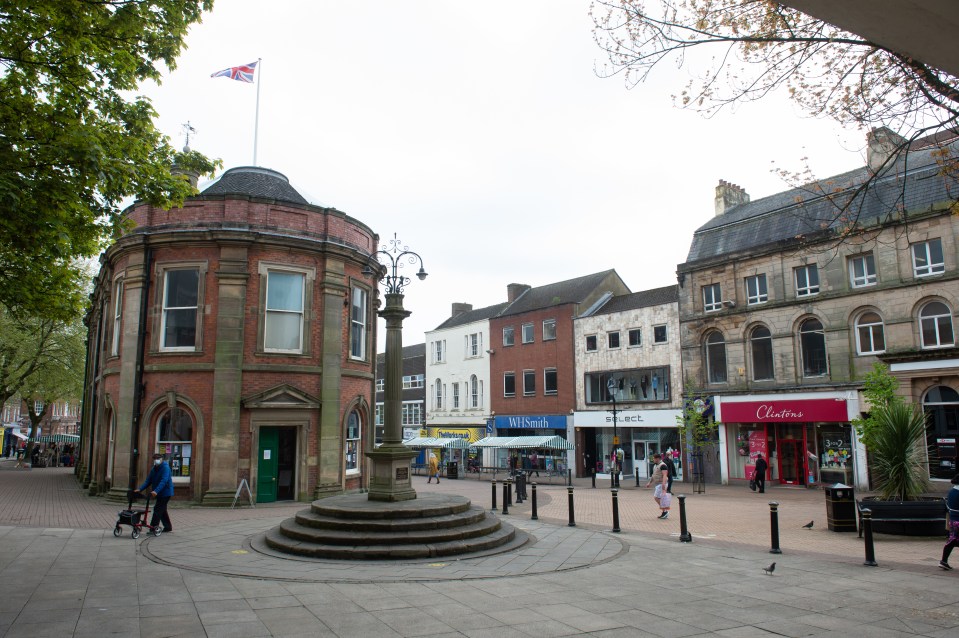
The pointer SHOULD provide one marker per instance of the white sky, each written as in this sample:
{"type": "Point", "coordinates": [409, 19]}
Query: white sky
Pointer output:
{"type": "Point", "coordinates": [480, 134]}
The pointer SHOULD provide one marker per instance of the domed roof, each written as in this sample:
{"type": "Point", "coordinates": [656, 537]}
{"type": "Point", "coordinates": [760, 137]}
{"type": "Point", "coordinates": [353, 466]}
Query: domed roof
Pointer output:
{"type": "Point", "coordinates": [255, 181]}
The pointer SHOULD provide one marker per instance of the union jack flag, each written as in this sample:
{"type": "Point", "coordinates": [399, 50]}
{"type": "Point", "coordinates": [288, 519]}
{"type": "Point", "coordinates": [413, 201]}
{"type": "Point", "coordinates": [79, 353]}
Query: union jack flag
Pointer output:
{"type": "Point", "coordinates": [242, 73]}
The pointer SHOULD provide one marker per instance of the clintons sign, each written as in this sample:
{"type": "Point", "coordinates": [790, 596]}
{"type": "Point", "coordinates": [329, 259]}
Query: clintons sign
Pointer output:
{"type": "Point", "coordinates": [783, 411]}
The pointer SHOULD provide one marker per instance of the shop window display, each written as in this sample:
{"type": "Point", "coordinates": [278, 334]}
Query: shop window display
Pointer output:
{"type": "Point", "coordinates": [748, 442]}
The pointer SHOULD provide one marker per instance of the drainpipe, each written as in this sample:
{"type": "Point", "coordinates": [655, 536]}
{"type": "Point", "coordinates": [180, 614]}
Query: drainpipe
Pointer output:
{"type": "Point", "coordinates": [138, 375]}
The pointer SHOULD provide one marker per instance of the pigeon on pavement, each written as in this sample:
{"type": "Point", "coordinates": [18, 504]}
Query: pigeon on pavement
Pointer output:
{"type": "Point", "coordinates": [770, 569]}
{"type": "Point", "coordinates": [808, 525]}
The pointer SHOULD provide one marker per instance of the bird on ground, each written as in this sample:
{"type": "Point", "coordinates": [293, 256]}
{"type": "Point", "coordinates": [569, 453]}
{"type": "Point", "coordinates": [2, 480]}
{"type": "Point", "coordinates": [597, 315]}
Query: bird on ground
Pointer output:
{"type": "Point", "coordinates": [808, 525]}
{"type": "Point", "coordinates": [770, 569]}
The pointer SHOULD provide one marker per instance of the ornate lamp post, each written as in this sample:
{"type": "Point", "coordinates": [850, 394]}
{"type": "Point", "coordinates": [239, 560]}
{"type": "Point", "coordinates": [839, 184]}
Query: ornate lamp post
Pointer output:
{"type": "Point", "coordinates": [611, 388]}
{"type": "Point", "coordinates": [390, 478]}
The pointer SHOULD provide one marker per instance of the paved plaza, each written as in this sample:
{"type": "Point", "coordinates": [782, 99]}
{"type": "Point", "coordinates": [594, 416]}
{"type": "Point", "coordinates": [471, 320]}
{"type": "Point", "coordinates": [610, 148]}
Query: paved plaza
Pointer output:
{"type": "Point", "coordinates": [64, 574]}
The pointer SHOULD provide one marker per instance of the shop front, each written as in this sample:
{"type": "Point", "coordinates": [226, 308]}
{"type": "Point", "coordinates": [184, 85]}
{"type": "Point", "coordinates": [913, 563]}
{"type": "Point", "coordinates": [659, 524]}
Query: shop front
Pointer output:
{"type": "Point", "coordinates": [806, 439]}
{"type": "Point", "coordinates": [527, 425]}
{"type": "Point", "coordinates": [463, 457]}
{"type": "Point", "coordinates": [642, 433]}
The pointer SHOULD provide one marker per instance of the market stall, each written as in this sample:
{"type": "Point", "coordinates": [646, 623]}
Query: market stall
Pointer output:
{"type": "Point", "coordinates": [531, 454]}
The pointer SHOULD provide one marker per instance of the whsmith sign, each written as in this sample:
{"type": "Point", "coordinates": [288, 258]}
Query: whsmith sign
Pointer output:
{"type": "Point", "coordinates": [537, 422]}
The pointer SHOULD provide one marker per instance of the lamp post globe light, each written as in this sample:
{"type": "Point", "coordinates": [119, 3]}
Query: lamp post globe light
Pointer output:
{"type": "Point", "coordinates": [611, 388]}
{"type": "Point", "coordinates": [390, 477]}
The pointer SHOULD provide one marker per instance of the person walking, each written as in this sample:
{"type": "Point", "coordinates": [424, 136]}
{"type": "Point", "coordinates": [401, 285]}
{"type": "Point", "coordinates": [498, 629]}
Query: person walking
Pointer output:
{"type": "Point", "coordinates": [160, 480]}
{"type": "Point", "coordinates": [534, 463]}
{"type": "Point", "coordinates": [670, 470]}
{"type": "Point", "coordinates": [760, 474]}
{"type": "Point", "coordinates": [661, 478]}
{"type": "Point", "coordinates": [952, 503]}
{"type": "Point", "coordinates": [434, 469]}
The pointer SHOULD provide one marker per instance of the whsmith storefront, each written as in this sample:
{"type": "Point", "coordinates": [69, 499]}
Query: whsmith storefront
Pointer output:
{"type": "Point", "coordinates": [806, 438]}
{"type": "Point", "coordinates": [529, 425]}
{"type": "Point", "coordinates": [642, 433]}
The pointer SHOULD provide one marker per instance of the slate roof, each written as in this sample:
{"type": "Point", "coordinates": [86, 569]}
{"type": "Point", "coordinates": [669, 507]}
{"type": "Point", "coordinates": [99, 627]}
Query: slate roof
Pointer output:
{"type": "Point", "coordinates": [641, 299]}
{"type": "Point", "coordinates": [409, 352]}
{"type": "Point", "coordinates": [472, 315]}
{"type": "Point", "coordinates": [914, 182]}
{"type": "Point", "coordinates": [255, 181]}
{"type": "Point", "coordinates": [557, 294]}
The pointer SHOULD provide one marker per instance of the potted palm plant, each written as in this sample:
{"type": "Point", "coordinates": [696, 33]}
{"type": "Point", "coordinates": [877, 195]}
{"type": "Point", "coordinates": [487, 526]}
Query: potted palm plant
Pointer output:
{"type": "Point", "coordinates": [895, 435]}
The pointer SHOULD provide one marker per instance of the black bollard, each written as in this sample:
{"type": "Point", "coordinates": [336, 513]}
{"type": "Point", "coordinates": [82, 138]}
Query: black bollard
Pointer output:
{"type": "Point", "coordinates": [494, 494]}
{"type": "Point", "coordinates": [534, 517]}
{"type": "Point", "coordinates": [774, 527]}
{"type": "Point", "coordinates": [569, 476]}
{"type": "Point", "coordinates": [572, 519]}
{"type": "Point", "coordinates": [615, 510]}
{"type": "Point", "coordinates": [509, 490]}
{"type": "Point", "coordinates": [637, 477]}
{"type": "Point", "coordinates": [867, 532]}
{"type": "Point", "coordinates": [520, 488]}
{"type": "Point", "coordinates": [506, 496]}
{"type": "Point", "coordinates": [593, 474]}
{"type": "Point", "coordinates": [684, 535]}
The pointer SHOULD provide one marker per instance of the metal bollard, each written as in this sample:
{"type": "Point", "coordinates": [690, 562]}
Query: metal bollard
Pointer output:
{"type": "Point", "coordinates": [615, 510]}
{"type": "Point", "coordinates": [684, 535]}
{"type": "Point", "coordinates": [506, 496]}
{"type": "Point", "coordinates": [534, 517]}
{"type": "Point", "coordinates": [494, 494]}
{"type": "Point", "coordinates": [593, 474]}
{"type": "Point", "coordinates": [867, 533]}
{"type": "Point", "coordinates": [572, 519]}
{"type": "Point", "coordinates": [509, 490]}
{"type": "Point", "coordinates": [637, 477]}
{"type": "Point", "coordinates": [520, 488]}
{"type": "Point", "coordinates": [569, 476]}
{"type": "Point", "coordinates": [774, 527]}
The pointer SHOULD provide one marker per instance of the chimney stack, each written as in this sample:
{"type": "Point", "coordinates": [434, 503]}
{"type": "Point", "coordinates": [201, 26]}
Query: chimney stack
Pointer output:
{"type": "Point", "coordinates": [729, 196]}
{"type": "Point", "coordinates": [513, 291]}
{"type": "Point", "coordinates": [460, 308]}
{"type": "Point", "coordinates": [881, 143]}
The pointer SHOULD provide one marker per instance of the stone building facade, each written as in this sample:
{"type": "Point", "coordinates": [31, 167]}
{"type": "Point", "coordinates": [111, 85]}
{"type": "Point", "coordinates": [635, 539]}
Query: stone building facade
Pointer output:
{"type": "Point", "coordinates": [235, 335]}
{"type": "Point", "coordinates": [782, 314]}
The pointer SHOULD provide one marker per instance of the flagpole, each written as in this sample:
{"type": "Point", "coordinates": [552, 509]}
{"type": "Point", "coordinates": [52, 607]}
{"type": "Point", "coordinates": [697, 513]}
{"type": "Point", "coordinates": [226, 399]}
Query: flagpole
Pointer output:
{"type": "Point", "coordinates": [256, 121]}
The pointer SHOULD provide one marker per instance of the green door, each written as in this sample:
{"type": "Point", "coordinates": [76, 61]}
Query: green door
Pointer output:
{"type": "Point", "coordinates": [266, 467]}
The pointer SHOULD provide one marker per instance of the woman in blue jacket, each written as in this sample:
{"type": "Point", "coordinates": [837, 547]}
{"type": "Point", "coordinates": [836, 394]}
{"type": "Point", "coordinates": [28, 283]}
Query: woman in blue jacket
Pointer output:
{"type": "Point", "coordinates": [161, 481]}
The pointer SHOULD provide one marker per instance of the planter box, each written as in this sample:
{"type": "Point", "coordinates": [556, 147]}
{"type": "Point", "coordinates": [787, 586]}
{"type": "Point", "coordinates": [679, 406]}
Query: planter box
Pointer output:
{"type": "Point", "coordinates": [925, 517]}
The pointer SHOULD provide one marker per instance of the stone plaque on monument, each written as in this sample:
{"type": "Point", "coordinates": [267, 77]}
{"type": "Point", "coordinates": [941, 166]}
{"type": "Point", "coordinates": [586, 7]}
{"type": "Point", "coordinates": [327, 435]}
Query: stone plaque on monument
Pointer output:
{"type": "Point", "coordinates": [402, 474]}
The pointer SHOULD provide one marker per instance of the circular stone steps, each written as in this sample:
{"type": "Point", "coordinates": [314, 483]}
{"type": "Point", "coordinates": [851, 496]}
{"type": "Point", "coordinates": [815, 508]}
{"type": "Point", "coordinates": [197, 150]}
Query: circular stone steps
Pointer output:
{"type": "Point", "coordinates": [353, 527]}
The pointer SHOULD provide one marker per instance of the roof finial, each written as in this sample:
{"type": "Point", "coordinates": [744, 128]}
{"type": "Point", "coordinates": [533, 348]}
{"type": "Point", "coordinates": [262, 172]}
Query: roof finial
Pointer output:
{"type": "Point", "coordinates": [187, 129]}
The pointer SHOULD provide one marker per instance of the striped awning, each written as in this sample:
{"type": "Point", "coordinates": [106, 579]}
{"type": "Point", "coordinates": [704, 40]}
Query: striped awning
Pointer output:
{"type": "Point", "coordinates": [525, 442]}
{"type": "Point", "coordinates": [436, 441]}
{"type": "Point", "coordinates": [57, 438]}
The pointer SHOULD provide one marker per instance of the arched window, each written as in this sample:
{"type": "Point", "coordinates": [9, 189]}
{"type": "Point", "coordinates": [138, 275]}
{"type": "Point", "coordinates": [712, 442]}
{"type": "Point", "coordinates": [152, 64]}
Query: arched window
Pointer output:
{"type": "Point", "coordinates": [175, 440]}
{"type": "Point", "coordinates": [935, 325]}
{"type": "Point", "coordinates": [761, 346]}
{"type": "Point", "coordinates": [870, 334]}
{"type": "Point", "coordinates": [812, 342]}
{"type": "Point", "coordinates": [941, 405]}
{"type": "Point", "coordinates": [715, 358]}
{"type": "Point", "coordinates": [438, 394]}
{"type": "Point", "coordinates": [352, 440]}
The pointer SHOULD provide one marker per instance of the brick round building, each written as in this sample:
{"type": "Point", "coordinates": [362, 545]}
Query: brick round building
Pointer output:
{"type": "Point", "coordinates": [235, 335]}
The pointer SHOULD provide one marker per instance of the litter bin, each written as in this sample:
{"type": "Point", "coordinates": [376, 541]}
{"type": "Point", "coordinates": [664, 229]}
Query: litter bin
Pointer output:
{"type": "Point", "coordinates": [841, 508]}
{"type": "Point", "coordinates": [452, 470]}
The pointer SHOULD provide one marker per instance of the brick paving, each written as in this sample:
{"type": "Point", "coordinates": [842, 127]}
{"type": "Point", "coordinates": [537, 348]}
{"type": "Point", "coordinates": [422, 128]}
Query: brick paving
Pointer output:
{"type": "Point", "coordinates": [62, 573]}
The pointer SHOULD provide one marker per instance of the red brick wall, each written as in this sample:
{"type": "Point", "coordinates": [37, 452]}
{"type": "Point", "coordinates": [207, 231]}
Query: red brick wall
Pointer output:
{"type": "Point", "coordinates": [536, 356]}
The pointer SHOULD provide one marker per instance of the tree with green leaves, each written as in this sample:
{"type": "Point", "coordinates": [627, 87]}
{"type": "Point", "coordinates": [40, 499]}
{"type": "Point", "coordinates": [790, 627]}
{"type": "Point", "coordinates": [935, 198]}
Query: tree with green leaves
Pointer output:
{"type": "Point", "coordinates": [879, 389]}
{"type": "Point", "coordinates": [695, 423]}
{"type": "Point", "coordinates": [743, 50]}
{"type": "Point", "coordinates": [74, 143]}
{"type": "Point", "coordinates": [41, 362]}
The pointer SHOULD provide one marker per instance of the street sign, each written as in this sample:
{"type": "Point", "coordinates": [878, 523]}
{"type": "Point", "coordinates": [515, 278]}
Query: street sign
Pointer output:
{"type": "Point", "coordinates": [615, 440]}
